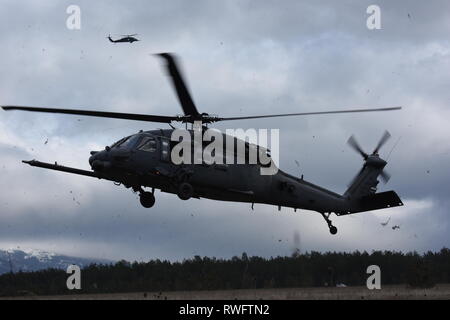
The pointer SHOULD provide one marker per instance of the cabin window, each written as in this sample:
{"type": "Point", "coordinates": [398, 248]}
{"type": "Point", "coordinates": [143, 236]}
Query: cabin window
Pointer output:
{"type": "Point", "coordinates": [165, 149]}
{"type": "Point", "coordinates": [148, 144]}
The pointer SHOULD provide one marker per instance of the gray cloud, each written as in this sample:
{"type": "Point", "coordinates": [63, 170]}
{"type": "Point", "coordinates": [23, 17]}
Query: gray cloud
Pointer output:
{"type": "Point", "coordinates": [241, 58]}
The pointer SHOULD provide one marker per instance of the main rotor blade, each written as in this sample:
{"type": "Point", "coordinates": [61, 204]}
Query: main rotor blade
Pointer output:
{"type": "Point", "coordinates": [384, 138]}
{"type": "Point", "coordinates": [309, 113]}
{"type": "Point", "coordinates": [183, 94]}
{"type": "Point", "coordinates": [355, 145]}
{"type": "Point", "coordinates": [116, 115]}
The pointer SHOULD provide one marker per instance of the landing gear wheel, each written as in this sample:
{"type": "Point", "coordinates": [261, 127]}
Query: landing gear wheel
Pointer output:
{"type": "Point", "coordinates": [333, 230]}
{"type": "Point", "coordinates": [185, 191]}
{"type": "Point", "coordinates": [147, 199]}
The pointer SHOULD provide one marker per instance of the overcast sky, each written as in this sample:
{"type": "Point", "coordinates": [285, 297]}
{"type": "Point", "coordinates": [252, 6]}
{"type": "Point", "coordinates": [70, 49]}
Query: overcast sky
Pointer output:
{"type": "Point", "coordinates": [240, 58]}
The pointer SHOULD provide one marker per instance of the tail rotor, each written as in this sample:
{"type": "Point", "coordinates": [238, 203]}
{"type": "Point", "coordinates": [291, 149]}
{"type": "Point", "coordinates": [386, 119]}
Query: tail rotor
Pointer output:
{"type": "Point", "coordinates": [372, 159]}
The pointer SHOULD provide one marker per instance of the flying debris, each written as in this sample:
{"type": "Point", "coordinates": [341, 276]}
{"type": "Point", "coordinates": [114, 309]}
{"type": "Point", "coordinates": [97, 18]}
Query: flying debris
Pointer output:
{"type": "Point", "coordinates": [297, 244]}
{"type": "Point", "coordinates": [384, 224]}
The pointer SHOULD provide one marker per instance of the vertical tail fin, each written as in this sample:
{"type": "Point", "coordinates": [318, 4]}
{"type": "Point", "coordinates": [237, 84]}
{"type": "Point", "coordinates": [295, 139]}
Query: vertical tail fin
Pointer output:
{"type": "Point", "coordinates": [366, 181]}
{"type": "Point", "coordinates": [361, 195]}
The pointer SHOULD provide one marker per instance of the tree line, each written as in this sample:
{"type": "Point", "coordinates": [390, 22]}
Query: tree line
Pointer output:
{"type": "Point", "coordinates": [312, 269]}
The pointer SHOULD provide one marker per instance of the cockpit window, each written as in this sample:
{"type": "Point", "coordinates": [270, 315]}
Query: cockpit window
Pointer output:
{"type": "Point", "coordinates": [115, 144]}
{"type": "Point", "coordinates": [147, 144]}
{"type": "Point", "coordinates": [127, 142]}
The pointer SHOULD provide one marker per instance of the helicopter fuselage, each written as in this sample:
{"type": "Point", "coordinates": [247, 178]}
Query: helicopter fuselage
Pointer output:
{"type": "Point", "coordinates": [133, 163]}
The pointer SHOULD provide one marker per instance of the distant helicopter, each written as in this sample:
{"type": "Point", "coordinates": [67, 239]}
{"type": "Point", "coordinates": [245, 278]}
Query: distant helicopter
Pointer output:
{"type": "Point", "coordinates": [126, 38]}
{"type": "Point", "coordinates": [143, 160]}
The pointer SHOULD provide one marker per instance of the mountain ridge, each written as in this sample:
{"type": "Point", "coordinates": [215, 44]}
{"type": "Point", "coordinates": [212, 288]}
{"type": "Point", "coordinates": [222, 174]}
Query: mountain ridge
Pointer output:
{"type": "Point", "coordinates": [28, 260]}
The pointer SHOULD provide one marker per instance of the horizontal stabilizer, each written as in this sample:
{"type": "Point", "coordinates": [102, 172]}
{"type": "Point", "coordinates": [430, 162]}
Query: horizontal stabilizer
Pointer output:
{"type": "Point", "coordinates": [58, 167]}
{"type": "Point", "coordinates": [382, 200]}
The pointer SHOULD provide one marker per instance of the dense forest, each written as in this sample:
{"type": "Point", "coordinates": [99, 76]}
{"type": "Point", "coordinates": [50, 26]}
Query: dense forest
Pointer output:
{"type": "Point", "coordinates": [299, 270]}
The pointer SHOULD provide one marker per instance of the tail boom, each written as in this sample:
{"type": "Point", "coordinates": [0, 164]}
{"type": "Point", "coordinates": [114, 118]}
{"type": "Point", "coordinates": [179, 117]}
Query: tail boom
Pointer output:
{"type": "Point", "coordinates": [375, 201]}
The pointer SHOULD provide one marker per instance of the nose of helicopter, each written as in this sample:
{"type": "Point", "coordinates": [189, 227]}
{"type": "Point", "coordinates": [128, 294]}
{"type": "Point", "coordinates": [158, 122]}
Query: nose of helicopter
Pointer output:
{"type": "Point", "coordinates": [93, 157]}
{"type": "Point", "coordinates": [99, 160]}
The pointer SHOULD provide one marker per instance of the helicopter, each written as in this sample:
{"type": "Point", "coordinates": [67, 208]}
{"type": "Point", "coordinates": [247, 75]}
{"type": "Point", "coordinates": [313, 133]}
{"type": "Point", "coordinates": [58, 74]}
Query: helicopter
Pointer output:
{"type": "Point", "coordinates": [144, 160]}
{"type": "Point", "coordinates": [126, 38]}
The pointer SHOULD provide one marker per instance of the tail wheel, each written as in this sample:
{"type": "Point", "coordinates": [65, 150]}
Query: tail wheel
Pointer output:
{"type": "Point", "coordinates": [185, 191]}
{"type": "Point", "coordinates": [333, 230]}
{"type": "Point", "coordinates": [326, 216]}
{"type": "Point", "coordinates": [147, 199]}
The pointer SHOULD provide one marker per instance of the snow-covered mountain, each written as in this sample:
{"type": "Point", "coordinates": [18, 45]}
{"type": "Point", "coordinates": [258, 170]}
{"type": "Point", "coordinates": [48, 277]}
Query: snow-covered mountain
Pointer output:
{"type": "Point", "coordinates": [32, 260]}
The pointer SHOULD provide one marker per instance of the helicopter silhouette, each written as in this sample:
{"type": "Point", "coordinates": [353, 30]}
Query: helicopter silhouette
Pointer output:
{"type": "Point", "coordinates": [126, 38]}
{"type": "Point", "coordinates": [143, 160]}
